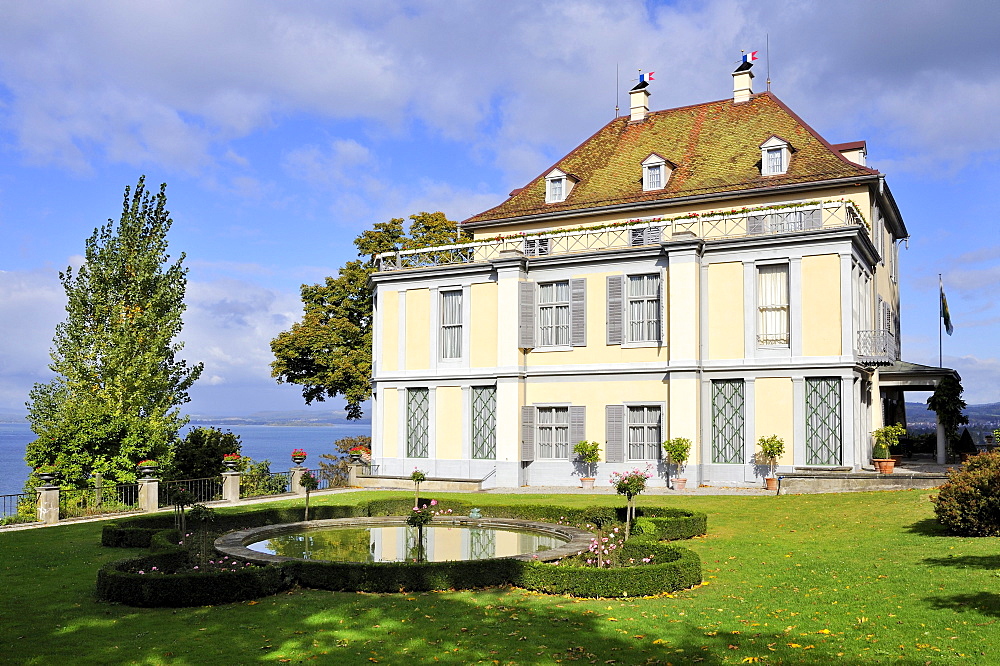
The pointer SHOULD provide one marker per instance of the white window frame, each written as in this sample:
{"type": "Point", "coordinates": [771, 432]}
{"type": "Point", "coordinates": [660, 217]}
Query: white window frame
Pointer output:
{"type": "Point", "coordinates": [774, 146]}
{"type": "Point", "coordinates": [649, 444]}
{"type": "Point", "coordinates": [554, 307]}
{"type": "Point", "coordinates": [557, 186]}
{"type": "Point", "coordinates": [645, 335]}
{"type": "Point", "coordinates": [769, 313]}
{"type": "Point", "coordinates": [452, 328]}
{"type": "Point", "coordinates": [654, 164]}
{"type": "Point", "coordinates": [554, 429]}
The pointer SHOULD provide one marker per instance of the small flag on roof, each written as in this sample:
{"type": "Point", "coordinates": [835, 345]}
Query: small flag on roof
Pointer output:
{"type": "Point", "coordinates": [646, 77]}
{"type": "Point", "coordinates": [750, 57]}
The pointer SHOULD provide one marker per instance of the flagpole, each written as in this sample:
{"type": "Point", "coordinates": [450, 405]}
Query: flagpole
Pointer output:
{"type": "Point", "coordinates": [940, 323]}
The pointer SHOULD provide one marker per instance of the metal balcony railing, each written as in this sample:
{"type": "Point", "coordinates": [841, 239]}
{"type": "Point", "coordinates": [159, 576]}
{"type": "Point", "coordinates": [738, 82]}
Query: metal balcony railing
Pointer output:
{"type": "Point", "coordinates": [877, 347]}
{"type": "Point", "coordinates": [635, 233]}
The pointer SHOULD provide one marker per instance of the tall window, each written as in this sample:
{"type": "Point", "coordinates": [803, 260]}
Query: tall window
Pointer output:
{"type": "Point", "coordinates": [823, 421]}
{"type": "Point", "coordinates": [643, 308]}
{"type": "Point", "coordinates": [553, 313]}
{"type": "Point", "coordinates": [451, 324]}
{"type": "Point", "coordinates": [727, 420]}
{"type": "Point", "coordinates": [553, 432]}
{"type": "Point", "coordinates": [654, 177]}
{"type": "Point", "coordinates": [644, 433]}
{"type": "Point", "coordinates": [484, 422]}
{"type": "Point", "coordinates": [556, 186]}
{"type": "Point", "coordinates": [417, 422]}
{"type": "Point", "coordinates": [772, 305]}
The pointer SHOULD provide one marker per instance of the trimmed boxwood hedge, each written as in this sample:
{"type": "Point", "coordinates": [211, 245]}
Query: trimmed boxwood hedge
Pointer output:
{"type": "Point", "coordinates": [673, 568]}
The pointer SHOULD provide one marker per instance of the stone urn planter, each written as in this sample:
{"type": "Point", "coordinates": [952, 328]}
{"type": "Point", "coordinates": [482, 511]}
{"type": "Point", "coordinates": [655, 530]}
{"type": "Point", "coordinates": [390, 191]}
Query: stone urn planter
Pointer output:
{"type": "Point", "coordinates": [355, 458]}
{"type": "Point", "coordinates": [231, 465]}
{"type": "Point", "coordinates": [48, 477]}
{"type": "Point", "coordinates": [298, 456]}
{"type": "Point", "coordinates": [587, 482]}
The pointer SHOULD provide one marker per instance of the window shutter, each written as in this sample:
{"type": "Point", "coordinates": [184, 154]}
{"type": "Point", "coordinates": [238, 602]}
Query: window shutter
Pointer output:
{"type": "Point", "coordinates": [526, 323]}
{"type": "Point", "coordinates": [578, 312]}
{"type": "Point", "coordinates": [614, 432]}
{"type": "Point", "coordinates": [755, 224]}
{"type": "Point", "coordinates": [653, 235]}
{"type": "Point", "coordinates": [577, 426]}
{"type": "Point", "coordinates": [663, 306]}
{"type": "Point", "coordinates": [615, 288]}
{"type": "Point", "coordinates": [527, 433]}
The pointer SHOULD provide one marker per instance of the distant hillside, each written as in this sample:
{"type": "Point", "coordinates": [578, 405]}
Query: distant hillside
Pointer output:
{"type": "Point", "coordinates": [298, 417]}
{"type": "Point", "coordinates": [981, 417]}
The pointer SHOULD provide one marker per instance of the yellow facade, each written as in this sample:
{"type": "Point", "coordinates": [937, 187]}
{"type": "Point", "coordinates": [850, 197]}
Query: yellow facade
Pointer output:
{"type": "Point", "coordinates": [449, 422]}
{"type": "Point", "coordinates": [389, 412]}
{"type": "Point", "coordinates": [725, 310]}
{"type": "Point", "coordinates": [418, 344]}
{"type": "Point", "coordinates": [389, 310]}
{"type": "Point", "coordinates": [484, 309]}
{"type": "Point", "coordinates": [821, 325]}
{"type": "Point", "coordinates": [773, 414]}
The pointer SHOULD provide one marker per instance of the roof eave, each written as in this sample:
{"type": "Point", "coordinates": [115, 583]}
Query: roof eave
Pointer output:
{"type": "Point", "coordinates": [677, 201]}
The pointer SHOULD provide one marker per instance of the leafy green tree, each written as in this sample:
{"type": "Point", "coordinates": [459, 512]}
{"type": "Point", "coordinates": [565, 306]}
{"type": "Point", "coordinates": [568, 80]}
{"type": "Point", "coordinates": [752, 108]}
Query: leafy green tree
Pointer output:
{"type": "Point", "coordinates": [947, 402]}
{"type": "Point", "coordinates": [337, 470]}
{"type": "Point", "coordinates": [329, 352]}
{"type": "Point", "coordinates": [199, 454]}
{"type": "Point", "coordinates": [114, 400]}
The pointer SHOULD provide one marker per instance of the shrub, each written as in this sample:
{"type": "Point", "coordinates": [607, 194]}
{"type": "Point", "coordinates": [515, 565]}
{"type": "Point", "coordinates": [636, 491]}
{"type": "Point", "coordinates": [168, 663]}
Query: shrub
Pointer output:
{"type": "Point", "coordinates": [969, 503]}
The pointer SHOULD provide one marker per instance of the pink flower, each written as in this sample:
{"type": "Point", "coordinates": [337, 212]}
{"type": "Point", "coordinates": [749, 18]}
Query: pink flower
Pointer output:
{"type": "Point", "coordinates": [434, 502]}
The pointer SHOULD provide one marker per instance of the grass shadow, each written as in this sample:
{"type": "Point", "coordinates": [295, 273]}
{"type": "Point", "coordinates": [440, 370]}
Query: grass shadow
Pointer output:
{"type": "Point", "coordinates": [986, 603]}
{"type": "Point", "coordinates": [966, 561]}
{"type": "Point", "coordinates": [927, 527]}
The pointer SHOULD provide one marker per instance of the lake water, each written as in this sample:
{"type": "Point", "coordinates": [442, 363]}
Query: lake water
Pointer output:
{"type": "Point", "coordinates": [274, 443]}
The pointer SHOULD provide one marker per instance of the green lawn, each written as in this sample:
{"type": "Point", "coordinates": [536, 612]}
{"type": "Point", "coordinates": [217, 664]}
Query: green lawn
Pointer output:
{"type": "Point", "coordinates": [851, 578]}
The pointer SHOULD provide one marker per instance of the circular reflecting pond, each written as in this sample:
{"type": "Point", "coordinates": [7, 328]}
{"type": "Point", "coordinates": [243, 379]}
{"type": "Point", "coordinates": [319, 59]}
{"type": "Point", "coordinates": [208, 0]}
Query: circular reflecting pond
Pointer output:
{"type": "Point", "coordinates": [389, 539]}
{"type": "Point", "coordinates": [441, 543]}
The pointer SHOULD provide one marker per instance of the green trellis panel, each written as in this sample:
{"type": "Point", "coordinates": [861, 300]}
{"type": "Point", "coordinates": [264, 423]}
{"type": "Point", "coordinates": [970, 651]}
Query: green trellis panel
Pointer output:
{"type": "Point", "coordinates": [728, 421]}
{"type": "Point", "coordinates": [417, 422]}
{"type": "Point", "coordinates": [823, 421]}
{"type": "Point", "coordinates": [482, 544]}
{"type": "Point", "coordinates": [484, 422]}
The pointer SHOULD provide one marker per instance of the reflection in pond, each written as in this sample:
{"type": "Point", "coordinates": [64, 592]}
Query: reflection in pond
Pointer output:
{"type": "Point", "coordinates": [399, 543]}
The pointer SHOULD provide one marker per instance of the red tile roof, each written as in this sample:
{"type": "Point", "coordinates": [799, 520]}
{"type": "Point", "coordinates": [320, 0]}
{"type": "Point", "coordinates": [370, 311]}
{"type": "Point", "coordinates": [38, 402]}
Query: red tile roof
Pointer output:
{"type": "Point", "coordinates": [715, 147]}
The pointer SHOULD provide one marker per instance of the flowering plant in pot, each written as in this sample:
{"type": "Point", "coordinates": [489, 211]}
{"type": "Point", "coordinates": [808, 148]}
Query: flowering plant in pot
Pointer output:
{"type": "Point", "coordinates": [147, 467]}
{"type": "Point", "coordinates": [630, 484]}
{"type": "Point", "coordinates": [885, 438]}
{"type": "Point", "coordinates": [310, 483]}
{"type": "Point", "coordinates": [678, 451]}
{"type": "Point", "coordinates": [588, 453]}
{"type": "Point", "coordinates": [771, 448]}
{"type": "Point", "coordinates": [298, 456]}
{"type": "Point", "coordinates": [231, 460]}
{"type": "Point", "coordinates": [47, 473]}
{"type": "Point", "coordinates": [360, 454]}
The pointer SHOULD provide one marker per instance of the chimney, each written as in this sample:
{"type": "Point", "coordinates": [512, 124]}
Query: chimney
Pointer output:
{"type": "Point", "coordinates": [742, 86]}
{"type": "Point", "coordinates": [639, 98]}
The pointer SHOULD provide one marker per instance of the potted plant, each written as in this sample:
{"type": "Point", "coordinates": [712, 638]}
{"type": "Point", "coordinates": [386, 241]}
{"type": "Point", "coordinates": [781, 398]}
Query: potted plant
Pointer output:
{"type": "Point", "coordinates": [771, 448]}
{"type": "Point", "coordinates": [47, 473]}
{"type": "Point", "coordinates": [298, 456]}
{"type": "Point", "coordinates": [360, 454]}
{"type": "Point", "coordinates": [678, 450]}
{"type": "Point", "coordinates": [588, 453]}
{"type": "Point", "coordinates": [885, 438]}
{"type": "Point", "coordinates": [231, 461]}
{"type": "Point", "coordinates": [148, 468]}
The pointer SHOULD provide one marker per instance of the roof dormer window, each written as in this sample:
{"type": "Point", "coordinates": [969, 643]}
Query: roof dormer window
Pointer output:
{"type": "Point", "coordinates": [655, 173]}
{"type": "Point", "coordinates": [774, 156]}
{"type": "Point", "coordinates": [557, 186]}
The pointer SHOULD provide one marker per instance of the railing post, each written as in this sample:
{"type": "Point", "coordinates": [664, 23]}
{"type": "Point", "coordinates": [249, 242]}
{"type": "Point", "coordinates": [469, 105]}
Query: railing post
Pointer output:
{"type": "Point", "coordinates": [149, 494]}
{"type": "Point", "coordinates": [231, 486]}
{"type": "Point", "coordinates": [48, 504]}
{"type": "Point", "coordinates": [297, 473]}
{"type": "Point", "coordinates": [352, 474]}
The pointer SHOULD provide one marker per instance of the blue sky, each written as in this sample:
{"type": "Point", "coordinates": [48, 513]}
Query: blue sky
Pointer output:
{"type": "Point", "coordinates": [285, 129]}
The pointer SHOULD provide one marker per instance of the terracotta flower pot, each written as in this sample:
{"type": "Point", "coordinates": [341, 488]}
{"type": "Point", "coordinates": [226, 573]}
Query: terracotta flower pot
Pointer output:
{"type": "Point", "coordinates": [771, 483]}
{"type": "Point", "coordinates": [680, 484]}
{"type": "Point", "coordinates": [884, 465]}
{"type": "Point", "coordinates": [588, 482]}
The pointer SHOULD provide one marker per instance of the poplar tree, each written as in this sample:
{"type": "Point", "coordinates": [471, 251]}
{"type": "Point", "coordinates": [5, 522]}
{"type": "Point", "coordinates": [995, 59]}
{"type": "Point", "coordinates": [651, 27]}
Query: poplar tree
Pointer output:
{"type": "Point", "coordinates": [329, 352]}
{"type": "Point", "coordinates": [115, 398]}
